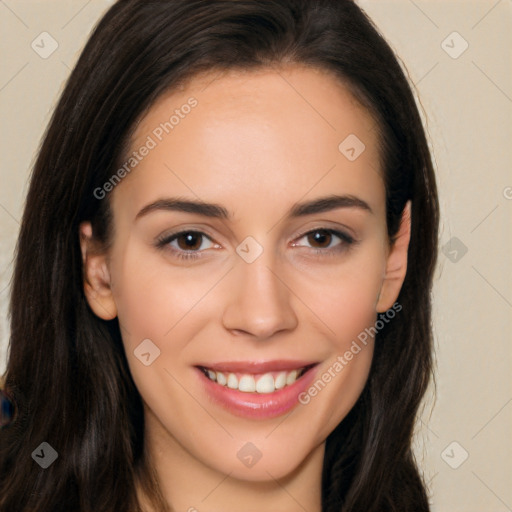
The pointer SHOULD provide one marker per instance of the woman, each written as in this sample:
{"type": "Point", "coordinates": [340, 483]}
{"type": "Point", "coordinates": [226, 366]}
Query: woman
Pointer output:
{"type": "Point", "coordinates": [221, 297]}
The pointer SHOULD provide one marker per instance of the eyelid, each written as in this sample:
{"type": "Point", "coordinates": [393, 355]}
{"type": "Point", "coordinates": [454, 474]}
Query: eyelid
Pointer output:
{"type": "Point", "coordinates": [163, 243]}
{"type": "Point", "coordinates": [166, 235]}
{"type": "Point", "coordinates": [166, 238]}
{"type": "Point", "coordinates": [345, 238]}
{"type": "Point", "coordinates": [347, 242]}
{"type": "Point", "coordinates": [331, 226]}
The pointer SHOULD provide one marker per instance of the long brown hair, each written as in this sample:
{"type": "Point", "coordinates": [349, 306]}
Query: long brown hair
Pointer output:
{"type": "Point", "coordinates": [67, 372]}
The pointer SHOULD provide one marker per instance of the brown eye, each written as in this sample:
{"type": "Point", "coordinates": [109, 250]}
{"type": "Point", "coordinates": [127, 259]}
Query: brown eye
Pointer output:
{"type": "Point", "coordinates": [189, 241]}
{"type": "Point", "coordinates": [185, 244]}
{"type": "Point", "coordinates": [320, 238]}
{"type": "Point", "coordinates": [326, 241]}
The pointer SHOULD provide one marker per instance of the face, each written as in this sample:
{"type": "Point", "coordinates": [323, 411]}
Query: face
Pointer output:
{"type": "Point", "coordinates": [250, 248]}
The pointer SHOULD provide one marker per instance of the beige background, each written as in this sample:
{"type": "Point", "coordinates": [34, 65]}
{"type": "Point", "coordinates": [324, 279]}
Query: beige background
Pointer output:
{"type": "Point", "coordinates": [468, 107]}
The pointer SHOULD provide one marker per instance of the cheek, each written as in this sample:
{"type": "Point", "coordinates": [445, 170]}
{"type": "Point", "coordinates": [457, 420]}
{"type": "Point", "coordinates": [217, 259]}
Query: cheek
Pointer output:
{"type": "Point", "coordinates": [163, 304]}
{"type": "Point", "coordinates": [166, 304]}
{"type": "Point", "coordinates": [347, 307]}
{"type": "Point", "coordinates": [152, 297]}
{"type": "Point", "coordinates": [344, 297]}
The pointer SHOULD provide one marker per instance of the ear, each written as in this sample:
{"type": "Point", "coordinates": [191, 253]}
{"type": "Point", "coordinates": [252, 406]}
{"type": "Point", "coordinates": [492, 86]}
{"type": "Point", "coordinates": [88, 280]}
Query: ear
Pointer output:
{"type": "Point", "coordinates": [396, 265]}
{"type": "Point", "coordinates": [97, 285]}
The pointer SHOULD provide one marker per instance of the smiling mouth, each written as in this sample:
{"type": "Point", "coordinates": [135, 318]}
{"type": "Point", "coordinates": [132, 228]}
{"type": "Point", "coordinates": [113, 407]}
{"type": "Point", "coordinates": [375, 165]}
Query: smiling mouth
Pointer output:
{"type": "Point", "coordinates": [269, 382]}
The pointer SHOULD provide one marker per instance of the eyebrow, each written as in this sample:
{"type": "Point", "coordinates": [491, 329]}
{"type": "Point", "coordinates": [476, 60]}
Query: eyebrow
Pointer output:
{"type": "Point", "coordinates": [320, 205]}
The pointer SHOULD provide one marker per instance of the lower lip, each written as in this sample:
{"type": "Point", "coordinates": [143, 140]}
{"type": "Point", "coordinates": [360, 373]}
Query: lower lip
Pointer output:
{"type": "Point", "coordinates": [257, 405]}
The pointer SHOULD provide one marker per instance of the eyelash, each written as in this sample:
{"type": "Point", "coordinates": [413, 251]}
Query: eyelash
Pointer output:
{"type": "Point", "coordinates": [347, 242]}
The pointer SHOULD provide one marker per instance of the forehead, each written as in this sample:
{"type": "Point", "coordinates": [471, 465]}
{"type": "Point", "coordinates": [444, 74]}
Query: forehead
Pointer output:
{"type": "Point", "coordinates": [261, 132]}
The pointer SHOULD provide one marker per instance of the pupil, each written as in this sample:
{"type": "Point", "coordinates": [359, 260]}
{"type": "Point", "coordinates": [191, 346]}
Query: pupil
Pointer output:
{"type": "Point", "coordinates": [322, 237]}
{"type": "Point", "coordinates": [191, 241]}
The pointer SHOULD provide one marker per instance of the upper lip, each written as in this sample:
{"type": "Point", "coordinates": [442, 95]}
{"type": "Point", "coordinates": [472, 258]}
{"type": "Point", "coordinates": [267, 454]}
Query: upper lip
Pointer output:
{"type": "Point", "coordinates": [256, 366]}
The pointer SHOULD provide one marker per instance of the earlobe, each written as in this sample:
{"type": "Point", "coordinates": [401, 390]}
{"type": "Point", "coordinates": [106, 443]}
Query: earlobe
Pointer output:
{"type": "Point", "coordinates": [396, 266]}
{"type": "Point", "coordinates": [96, 276]}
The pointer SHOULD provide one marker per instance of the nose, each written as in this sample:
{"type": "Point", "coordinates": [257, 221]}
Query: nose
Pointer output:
{"type": "Point", "coordinates": [260, 300]}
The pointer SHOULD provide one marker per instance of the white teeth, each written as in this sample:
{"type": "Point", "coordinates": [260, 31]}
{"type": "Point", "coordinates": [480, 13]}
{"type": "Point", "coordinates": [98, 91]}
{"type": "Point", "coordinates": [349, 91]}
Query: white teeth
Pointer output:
{"type": "Point", "coordinates": [265, 384]}
{"type": "Point", "coordinates": [232, 381]}
{"type": "Point", "coordinates": [281, 380]}
{"type": "Point", "coordinates": [291, 377]}
{"type": "Point", "coordinates": [247, 383]}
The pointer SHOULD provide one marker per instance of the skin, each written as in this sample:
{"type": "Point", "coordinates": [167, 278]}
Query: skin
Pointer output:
{"type": "Point", "coordinates": [257, 143]}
